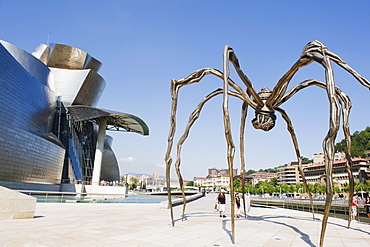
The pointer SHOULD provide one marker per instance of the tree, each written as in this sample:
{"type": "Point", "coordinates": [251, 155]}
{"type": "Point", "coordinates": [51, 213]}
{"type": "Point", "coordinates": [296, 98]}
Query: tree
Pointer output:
{"type": "Point", "coordinates": [190, 183]}
{"type": "Point", "coordinates": [346, 187]}
{"type": "Point", "coordinates": [360, 143]}
{"type": "Point", "coordinates": [306, 159]}
{"type": "Point", "coordinates": [248, 188]}
{"type": "Point", "coordinates": [284, 188]}
{"type": "Point", "coordinates": [273, 181]}
{"type": "Point", "coordinates": [237, 185]}
{"type": "Point", "coordinates": [134, 182]}
{"type": "Point", "coordinates": [250, 171]}
{"type": "Point", "coordinates": [359, 187]}
{"type": "Point", "coordinates": [337, 189]}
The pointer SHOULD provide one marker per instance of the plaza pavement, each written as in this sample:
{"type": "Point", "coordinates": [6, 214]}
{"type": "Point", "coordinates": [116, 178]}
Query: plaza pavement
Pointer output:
{"type": "Point", "coordinates": [73, 224]}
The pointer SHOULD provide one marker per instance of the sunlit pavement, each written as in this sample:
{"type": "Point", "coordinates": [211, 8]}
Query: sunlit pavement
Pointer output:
{"type": "Point", "coordinates": [94, 224]}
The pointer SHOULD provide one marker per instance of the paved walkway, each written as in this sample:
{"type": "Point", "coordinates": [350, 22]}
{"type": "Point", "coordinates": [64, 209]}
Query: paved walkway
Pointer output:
{"type": "Point", "coordinates": [72, 224]}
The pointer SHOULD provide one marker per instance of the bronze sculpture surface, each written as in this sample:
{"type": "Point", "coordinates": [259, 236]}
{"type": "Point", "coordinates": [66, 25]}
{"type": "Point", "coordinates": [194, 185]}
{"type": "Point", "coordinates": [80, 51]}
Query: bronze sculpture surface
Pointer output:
{"type": "Point", "coordinates": [265, 103]}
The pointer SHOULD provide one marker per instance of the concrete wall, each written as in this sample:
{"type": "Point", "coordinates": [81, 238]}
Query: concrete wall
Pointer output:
{"type": "Point", "coordinates": [15, 205]}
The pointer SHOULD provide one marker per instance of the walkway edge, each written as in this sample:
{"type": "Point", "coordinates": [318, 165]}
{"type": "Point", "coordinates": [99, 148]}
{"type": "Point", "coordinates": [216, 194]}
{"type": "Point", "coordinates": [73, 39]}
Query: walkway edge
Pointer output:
{"type": "Point", "coordinates": [180, 201]}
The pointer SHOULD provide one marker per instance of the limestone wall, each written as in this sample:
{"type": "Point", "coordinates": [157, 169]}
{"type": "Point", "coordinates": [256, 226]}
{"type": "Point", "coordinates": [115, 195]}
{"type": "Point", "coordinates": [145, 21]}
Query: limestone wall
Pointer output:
{"type": "Point", "coordinates": [15, 205]}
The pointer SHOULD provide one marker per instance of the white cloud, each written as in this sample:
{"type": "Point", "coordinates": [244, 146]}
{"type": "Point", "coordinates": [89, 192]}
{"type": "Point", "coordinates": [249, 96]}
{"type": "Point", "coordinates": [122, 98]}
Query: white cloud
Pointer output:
{"type": "Point", "coordinates": [126, 160]}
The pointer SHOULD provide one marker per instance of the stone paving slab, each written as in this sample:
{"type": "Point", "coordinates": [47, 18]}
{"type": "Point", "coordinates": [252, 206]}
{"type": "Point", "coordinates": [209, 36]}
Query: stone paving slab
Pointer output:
{"type": "Point", "coordinates": [93, 224]}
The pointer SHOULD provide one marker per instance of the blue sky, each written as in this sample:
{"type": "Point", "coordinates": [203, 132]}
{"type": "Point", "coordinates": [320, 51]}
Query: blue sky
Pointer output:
{"type": "Point", "coordinates": [144, 44]}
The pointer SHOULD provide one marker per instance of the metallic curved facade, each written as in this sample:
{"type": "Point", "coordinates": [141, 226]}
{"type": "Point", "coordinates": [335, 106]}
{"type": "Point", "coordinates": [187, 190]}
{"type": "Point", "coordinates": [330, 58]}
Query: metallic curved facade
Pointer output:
{"type": "Point", "coordinates": [40, 142]}
{"type": "Point", "coordinates": [30, 153]}
{"type": "Point", "coordinates": [110, 169]}
{"type": "Point", "coordinates": [78, 87]}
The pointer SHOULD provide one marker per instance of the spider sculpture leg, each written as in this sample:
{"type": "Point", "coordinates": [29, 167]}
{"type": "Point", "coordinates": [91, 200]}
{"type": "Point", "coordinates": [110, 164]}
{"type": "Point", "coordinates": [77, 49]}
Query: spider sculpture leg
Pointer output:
{"type": "Point", "coordinates": [229, 139]}
{"type": "Point", "coordinates": [241, 150]}
{"type": "Point", "coordinates": [328, 146]}
{"type": "Point", "coordinates": [193, 117]}
{"type": "Point", "coordinates": [175, 86]}
{"type": "Point", "coordinates": [315, 51]}
{"type": "Point", "coordinates": [334, 121]}
{"type": "Point", "coordinates": [230, 54]}
{"type": "Point", "coordinates": [346, 107]}
{"type": "Point", "coordinates": [168, 159]}
{"type": "Point", "coordinates": [312, 49]}
{"type": "Point", "coordinates": [345, 104]}
{"type": "Point", "coordinates": [298, 155]}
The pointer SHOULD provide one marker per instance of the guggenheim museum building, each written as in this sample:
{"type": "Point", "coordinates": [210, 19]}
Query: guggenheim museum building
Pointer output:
{"type": "Point", "coordinates": [51, 132]}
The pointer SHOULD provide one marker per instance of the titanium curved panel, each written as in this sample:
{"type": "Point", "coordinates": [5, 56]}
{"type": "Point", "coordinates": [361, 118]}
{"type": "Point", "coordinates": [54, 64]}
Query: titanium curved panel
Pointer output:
{"type": "Point", "coordinates": [28, 158]}
{"type": "Point", "coordinates": [27, 108]}
{"type": "Point", "coordinates": [109, 140]}
{"type": "Point", "coordinates": [110, 168]}
{"type": "Point", "coordinates": [25, 102]}
{"type": "Point", "coordinates": [42, 52]}
{"type": "Point", "coordinates": [31, 64]}
{"type": "Point", "coordinates": [68, 83]}
{"type": "Point", "coordinates": [68, 57]}
{"type": "Point", "coordinates": [91, 90]}
{"type": "Point", "coordinates": [92, 63]}
{"type": "Point", "coordinates": [81, 87]}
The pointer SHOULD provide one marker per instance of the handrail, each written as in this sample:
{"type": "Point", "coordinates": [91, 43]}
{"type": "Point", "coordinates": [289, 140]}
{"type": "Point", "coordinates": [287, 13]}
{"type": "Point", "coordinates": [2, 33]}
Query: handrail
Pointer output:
{"type": "Point", "coordinates": [338, 209]}
{"type": "Point", "coordinates": [78, 197]}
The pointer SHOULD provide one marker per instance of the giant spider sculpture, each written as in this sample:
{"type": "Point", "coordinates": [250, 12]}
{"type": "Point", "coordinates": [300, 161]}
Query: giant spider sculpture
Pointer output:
{"type": "Point", "coordinates": [265, 103]}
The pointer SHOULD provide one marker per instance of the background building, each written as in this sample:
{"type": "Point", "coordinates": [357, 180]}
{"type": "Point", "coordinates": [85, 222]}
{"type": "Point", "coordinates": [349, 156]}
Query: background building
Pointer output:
{"type": "Point", "coordinates": [367, 153]}
{"type": "Point", "coordinates": [320, 158]}
{"type": "Point", "coordinates": [360, 170]}
{"type": "Point", "coordinates": [290, 174]}
{"type": "Point", "coordinates": [315, 173]}
{"type": "Point", "coordinates": [223, 171]}
{"type": "Point", "coordinates": [216, 179]}
{"type": "Point", "coordinates": [262, 176]}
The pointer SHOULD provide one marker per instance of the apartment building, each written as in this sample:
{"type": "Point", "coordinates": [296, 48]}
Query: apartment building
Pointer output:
{"type": "Point", "coordinates": [262, 176]}
{"type": "Point", "coordinates": [367, 153]}
{"type": "Point", "coordinates": [290, 174]}
{"type": "Point", "coordinates": [213, 181]}
{"type": "Point", "coordinates": [316, 172]}
{"type": "Point", "coordinates": [223, 171]}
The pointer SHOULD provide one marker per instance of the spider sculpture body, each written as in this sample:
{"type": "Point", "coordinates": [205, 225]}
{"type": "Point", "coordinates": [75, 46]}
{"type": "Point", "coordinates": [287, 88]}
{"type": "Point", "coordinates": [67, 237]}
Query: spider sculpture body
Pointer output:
{"type": "Point", "coordinates": [265, 104]}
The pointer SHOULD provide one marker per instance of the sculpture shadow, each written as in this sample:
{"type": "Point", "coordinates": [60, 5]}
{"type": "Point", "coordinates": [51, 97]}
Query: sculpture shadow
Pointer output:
{"type": "Point", "coordinates": [354, 229]}
{"type": "Point", "coordinates": [305, 237]}
{"type": "Point", "coordinates": [38, 216]}
{"type": "Point", "coordinates": [197, 215]}
{"type": "Point", "coordinates": [228, 232]}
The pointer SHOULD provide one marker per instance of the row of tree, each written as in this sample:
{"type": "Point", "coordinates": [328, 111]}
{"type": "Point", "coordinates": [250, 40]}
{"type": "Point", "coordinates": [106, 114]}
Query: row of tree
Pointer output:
{"type": "Point", "coordinates": [271, 187]}
{"type": "Point", "coordinates": [133, 183]}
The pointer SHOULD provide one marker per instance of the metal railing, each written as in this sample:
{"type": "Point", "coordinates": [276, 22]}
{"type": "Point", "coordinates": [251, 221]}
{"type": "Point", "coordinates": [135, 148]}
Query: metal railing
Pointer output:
{"type": "Point", "coordinates": [73, 197]}
{"type": "Point", "coordinates": [339, 208]}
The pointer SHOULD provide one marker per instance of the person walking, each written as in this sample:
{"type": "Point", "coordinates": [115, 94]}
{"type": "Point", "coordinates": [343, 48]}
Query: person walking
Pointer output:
{"type": "Point", "coordinates": [221, 200]}
{"type": "Point", "coordinates": [237, 205]}
{"type": "Point", "coordinates": [354, 207]}
{"type": "Point", "coordinates": [367, 206]}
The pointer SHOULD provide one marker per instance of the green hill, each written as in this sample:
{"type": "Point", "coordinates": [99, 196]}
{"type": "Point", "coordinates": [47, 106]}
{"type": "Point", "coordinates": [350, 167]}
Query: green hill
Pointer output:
{"type": "Point", "coordinates": [360, 143]}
